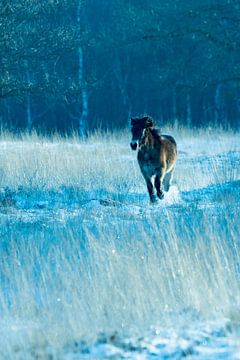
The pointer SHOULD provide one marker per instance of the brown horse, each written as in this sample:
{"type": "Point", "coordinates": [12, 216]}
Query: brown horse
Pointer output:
{"type": "Point", "coordinates": [157, 155]}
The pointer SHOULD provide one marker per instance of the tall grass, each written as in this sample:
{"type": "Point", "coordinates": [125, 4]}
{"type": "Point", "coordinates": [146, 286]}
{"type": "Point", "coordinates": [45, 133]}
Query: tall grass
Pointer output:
{"type": "Point", "coordinates": [109, 268]}
{"type": "Point", "coordinates": [104, 160]}
{"type": "Point", "coordinates": [62, 285]}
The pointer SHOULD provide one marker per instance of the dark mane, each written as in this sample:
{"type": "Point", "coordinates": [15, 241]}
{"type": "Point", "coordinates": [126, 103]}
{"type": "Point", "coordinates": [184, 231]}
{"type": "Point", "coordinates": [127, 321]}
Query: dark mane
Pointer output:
{"type": "Point", "coordinates": [156, 133]}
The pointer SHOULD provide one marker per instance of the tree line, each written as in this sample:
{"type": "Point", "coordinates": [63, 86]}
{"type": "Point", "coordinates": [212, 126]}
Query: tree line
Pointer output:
{"type": "Point", "coordinates": [86, 64]}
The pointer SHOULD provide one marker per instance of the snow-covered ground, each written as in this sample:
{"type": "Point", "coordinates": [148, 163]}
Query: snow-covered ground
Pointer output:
{"type": "Point", "coordinates": [90, 270]}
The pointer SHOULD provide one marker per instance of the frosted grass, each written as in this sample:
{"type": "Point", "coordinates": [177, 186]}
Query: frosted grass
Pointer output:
{"type": "Point", "coordinates": [83, 253]}
{"type": "Point", "coordinates": [104, 161]}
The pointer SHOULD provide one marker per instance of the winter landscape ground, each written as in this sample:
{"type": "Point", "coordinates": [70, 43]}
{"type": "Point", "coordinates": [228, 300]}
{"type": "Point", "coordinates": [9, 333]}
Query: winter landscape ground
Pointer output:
{"type": "Point", "coordinates": [90, 270]}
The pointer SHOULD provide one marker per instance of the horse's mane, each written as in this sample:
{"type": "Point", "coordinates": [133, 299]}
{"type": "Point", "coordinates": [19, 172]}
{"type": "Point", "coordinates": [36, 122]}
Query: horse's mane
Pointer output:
{"type": "Point", "coordinates": [156, 133]}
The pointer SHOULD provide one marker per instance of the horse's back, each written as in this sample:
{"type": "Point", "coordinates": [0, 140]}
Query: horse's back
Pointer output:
{"type": "Point", "coordinates": [169, 138]}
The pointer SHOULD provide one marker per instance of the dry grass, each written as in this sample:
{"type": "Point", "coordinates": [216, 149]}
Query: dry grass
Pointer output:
{"type": "Point", "coordinates": [65, 281]}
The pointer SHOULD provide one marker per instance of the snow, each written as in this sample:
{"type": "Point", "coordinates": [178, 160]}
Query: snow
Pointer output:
{"type": "Point", "coordinates": [91, 270]}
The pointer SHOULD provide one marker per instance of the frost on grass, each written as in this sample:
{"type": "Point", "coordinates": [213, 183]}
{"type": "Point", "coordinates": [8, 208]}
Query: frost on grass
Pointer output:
{"type": "Point", "coordinates": [89, 269]}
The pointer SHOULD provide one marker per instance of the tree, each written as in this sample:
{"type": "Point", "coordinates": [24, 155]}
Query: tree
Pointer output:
{"type": "Point", "coordinates": [81, 64]}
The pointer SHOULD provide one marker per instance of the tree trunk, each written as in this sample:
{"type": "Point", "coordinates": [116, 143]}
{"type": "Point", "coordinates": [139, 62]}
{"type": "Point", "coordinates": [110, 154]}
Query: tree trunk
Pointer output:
{"type": "Point", "coordinates": [217, 106]}
{"type": "Point", "coordinates": [175, 115]}
{"type": "Point", "coordinates": [189, 111]}
{"type": "Point", "coordinates": [28, 101]}
{"type": "Point", "coordinates": [82, 128]}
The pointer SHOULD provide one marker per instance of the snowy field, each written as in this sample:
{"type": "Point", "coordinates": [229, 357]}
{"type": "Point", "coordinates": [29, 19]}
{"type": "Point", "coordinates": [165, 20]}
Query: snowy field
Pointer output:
{"type": "Point", "coordinates": [90, 270]}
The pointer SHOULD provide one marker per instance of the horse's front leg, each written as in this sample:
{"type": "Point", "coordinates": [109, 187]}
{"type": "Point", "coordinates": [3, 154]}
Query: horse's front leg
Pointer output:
{"type": "Point", "coordinates": [150, 188]}
{"type": "Point", "coordinates": [159, 183]}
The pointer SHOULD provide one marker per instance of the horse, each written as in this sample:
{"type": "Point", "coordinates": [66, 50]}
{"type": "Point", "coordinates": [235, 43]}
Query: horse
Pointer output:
{"type": "Point", "coordinates": [157, 155]}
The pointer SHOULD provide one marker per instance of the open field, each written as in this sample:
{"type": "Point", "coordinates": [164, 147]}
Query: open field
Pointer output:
{"type": "Point", "coordinates": [90, 270]}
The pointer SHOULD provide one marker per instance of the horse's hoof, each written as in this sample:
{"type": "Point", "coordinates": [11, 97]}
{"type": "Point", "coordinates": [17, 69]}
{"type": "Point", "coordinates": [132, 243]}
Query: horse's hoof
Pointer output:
{"type": "Point", "coordinates": [160, 195]}
{"type": "Point", "coordinates": [153, 199]}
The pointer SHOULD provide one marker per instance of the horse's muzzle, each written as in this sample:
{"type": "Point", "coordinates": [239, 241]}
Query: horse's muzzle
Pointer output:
{"type": "Point", "coordinates": [133, 145]}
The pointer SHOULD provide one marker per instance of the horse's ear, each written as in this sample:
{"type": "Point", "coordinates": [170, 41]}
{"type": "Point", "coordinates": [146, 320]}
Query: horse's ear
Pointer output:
{"type": "Point", "coordinates": [133, 121]}
{"type": "Point", "coordinates": [149, 122]}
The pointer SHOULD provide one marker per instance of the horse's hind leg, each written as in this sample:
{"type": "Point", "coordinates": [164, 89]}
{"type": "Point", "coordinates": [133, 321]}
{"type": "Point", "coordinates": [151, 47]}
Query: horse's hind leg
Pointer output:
{"type": "Point", "coordinates": [158, 185]}
{"type": "Point", "coordinates": [167, 180]}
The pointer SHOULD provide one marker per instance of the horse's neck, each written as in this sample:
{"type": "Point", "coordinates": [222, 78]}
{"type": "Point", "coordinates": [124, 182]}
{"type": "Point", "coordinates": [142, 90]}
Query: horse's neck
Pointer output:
{"type": "Point", "coordinates": [148, 139]}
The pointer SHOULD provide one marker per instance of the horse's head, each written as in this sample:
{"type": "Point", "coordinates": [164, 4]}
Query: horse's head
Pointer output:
{"type": "Point", "coordinates": [138, 126]}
